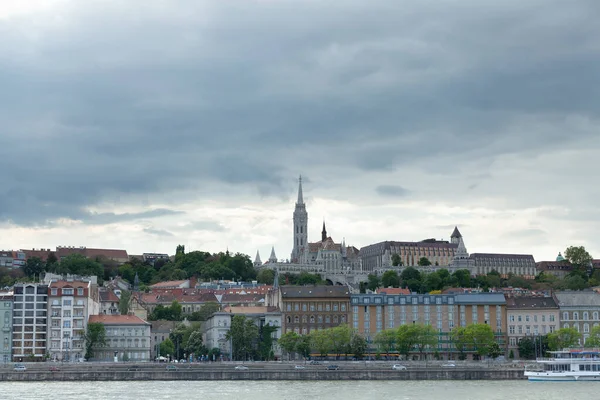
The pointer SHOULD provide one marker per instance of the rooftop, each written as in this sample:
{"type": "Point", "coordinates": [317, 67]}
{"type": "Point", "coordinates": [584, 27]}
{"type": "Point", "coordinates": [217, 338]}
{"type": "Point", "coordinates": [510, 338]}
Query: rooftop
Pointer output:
{"type": "Point", "coordinates": [578, 298]}
{"type": "Point", "coordinates": [529, 302]}
{"type": "Point", "coordinates": [117, 320]}
{"type": "Point", "coordinates": [314, 291]}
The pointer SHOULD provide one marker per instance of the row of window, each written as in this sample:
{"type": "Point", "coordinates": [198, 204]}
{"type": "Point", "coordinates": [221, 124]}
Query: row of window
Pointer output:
{"type": "Point", "coordinates": [585, 316]}
{"type": "Point", "coordinates": [586, 327]}
{"type": "Point", "coordinates": [318, 320]}
{"type": "Point", "coordinates": [528, 329]}
{"type": "Point", "coordinates": [528, 318]}
{"type": "Point", "coordinates": [328, 306]}
{"type": "Point", "coordinates": [66, 292]}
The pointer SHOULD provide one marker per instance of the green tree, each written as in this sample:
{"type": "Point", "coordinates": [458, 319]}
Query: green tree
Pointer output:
{"type": "Point", "coordinates": [51, 262]}
{"type": "Point", "coordinates": [526, 348]}
{"type": "Point", "coordinates": [95, 337]}
{"type": "Point", "coordinates": [289, 342]}
{"type": "Point", "coordinates": [175, 311]}
{"type": "Point", "coordinates": [358, 345]}
{"type": "Point", "coordinates": [461, 340]}
{"type": "Point", "coordinates": [78, 264]}
{"type": "Point", "coordinates": [396, 260]}
{"type": "Point", "coordinates": [575, 282]}
{"type": "Point", "coordinates": [578, 256]}
{"type": "Point", "coordinates": [243, 335]}
{"type": "Point", "coordinates": [178, 336]}
{"type": "Point", "coordinates": [373, 282]}
{"type": "Point", "coordinates": [340, 338]}
{"type": "Point", "coordinates": [494, 350]}
{"type": "Point", "coordinates": [321, 342]}
{"type": "Point", "coordinates": [34, 267]}
{"type": "Point", "coordinates": [410, 273]}
{"type": "Point", "coordinates": [167, 348]}
{"type": "Point", "coordinates": [594, 339]}
{"type": "Point", "coordinates": [386, 341]}
{"type": "Point", "coordinates": [194, 344]}
{"type": "Point", "coordinates": [426, 337]}
{"type": "Point", "coordinates": [303, 346]}
{"type": "Point", "coordinates": [424, 262]}
{"type": "Point", "coordinates": [405, 339]}
{"type": "Point", "coordinates": [481, 337]}
{"type": "Point", "coordinates": [124, 302]}
{"type": "Point", "coordinates": [265, 346]}
{"type": "Point", "coordinates": [563, 338]}
{"type": "Point", "coordinates": [179, 252]}
{"type": "Point", "coordinates": [390, 278]}
{"type": "Point", "coordinates": [266, 276]}
{"type": "Point", "coordinates": [205, 311]}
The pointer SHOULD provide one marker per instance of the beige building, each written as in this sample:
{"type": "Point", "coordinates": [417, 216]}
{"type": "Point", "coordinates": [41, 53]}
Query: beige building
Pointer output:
{"type": "Point", "coordinates": [127, 338]}
{"type": "Point", "coordinates": [530, 316]}
{"type": "Point", "coordinates": [579, 310]}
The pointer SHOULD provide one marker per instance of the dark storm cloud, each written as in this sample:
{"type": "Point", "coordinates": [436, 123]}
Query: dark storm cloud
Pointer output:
{"type": "Point", "coordinates": [226, 92]}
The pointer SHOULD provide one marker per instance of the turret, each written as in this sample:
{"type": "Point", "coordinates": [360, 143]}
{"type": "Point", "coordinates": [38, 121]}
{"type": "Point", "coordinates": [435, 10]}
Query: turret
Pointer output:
{"type": "Point", "coordinates": [272, 257]}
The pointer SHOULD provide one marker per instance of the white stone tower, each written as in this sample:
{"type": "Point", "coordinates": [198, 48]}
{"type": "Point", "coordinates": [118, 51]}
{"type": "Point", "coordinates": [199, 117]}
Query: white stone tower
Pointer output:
{"type": "Point", "coordinates": [300, 227]}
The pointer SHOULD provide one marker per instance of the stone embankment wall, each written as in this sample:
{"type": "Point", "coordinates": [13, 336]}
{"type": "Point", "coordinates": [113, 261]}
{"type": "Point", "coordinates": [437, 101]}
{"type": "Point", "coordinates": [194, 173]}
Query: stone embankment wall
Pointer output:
{"type": "Point", "coordinates": [108, 374]}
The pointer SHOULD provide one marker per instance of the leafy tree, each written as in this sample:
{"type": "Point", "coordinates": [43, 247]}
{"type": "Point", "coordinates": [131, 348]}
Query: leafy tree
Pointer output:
{"type": "Point", "coordinates": [194, 344]}
{"type": "Point", "coordinates": [124, 302]}
{"type": "Point", "coordinates": [340, 337]}
{"type": "Point", "coordinates": [303, 346]}
{"type": "Point", "coordinates": [358, 345]}
{"type": "Point", "coordinates": [463, 277]}
{"type": "Point", "coordinates": [526, 348]}
{"type": "Point", "coordinates": [594, 339]}
{"type": "Point", "coordinates": [481, 336]}
{"type": "Point", "coordinates": [575, 282]}
{"type": "Point", "coordinates": [396, 260]}
{"type": "Point", "coordinates": [424, 262]}
{"type": "Point", "coordinates": [167, 348]}
{"type": "Point", "coordinates": [265, 346]}
{"type": "Point", "coordinates": [179, 252]}
{"type": "Point", "coordinates": [494, 350]}
{"type": "Point", "coordinates": [78, 264]}
{"type": "Point", "coordinates": [405, 339]}
{"type": "Point", "coordinates": [426, 337]}
{"type": "Point", "coordinates": [243, 335]}
{"type": "Point", "coordinates": [205, 311]}
{"type": "Point", "coordinates": [321, 342]}
{"type": "Point", "coordinates": [390, 279]}
{"type": "Point", "coordinates": [266, 276]}
{"type": "Point", "coordinates": [373, 282]}
{"type": "Point", "coordinates": [289, 342]}
{"type": "Point", "coordinates": [51, 262]}
{"type": "Point", "coordinates": [170, 313]}
{"type": "Point", "coordinates": [410, 273]}
{"type": "Point", "coordinates": [461, 340]}
{"type": "Point", "coordinates": [563, 338]}
{"type": "Point", "coordinates": [578, 256]}
{"type": "Point", "coordinates": [177, 336]}
{"type": "Point", "coordinates": [176, 311]}
{"type": "Point", "coordinates": [433, 281]}
{"type": "Point", "coordinates": [511, 355]}
{"type": "Point", "coordinates": [386, 341]}
{"type": "Point", "coordinates": [34, 266]}
{"type": "Point", "coordinates": [95, 337]}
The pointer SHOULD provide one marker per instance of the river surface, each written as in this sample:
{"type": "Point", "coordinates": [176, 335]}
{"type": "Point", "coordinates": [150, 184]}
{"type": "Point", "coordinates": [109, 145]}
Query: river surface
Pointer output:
{"type": "Point", "coordinates": [292, 390]}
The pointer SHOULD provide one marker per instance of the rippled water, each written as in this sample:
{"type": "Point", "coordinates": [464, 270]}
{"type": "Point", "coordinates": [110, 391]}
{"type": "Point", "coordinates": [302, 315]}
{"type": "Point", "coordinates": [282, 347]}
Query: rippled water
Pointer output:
{"type": "Point", "coordinates": [261, 390]}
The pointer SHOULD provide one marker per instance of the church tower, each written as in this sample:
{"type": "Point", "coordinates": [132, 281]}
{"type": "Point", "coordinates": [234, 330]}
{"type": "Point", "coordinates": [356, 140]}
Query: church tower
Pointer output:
{"type": "Point", "coordinates": [456, 236]}
{"type": "Point", "coordinates": [300, 227]}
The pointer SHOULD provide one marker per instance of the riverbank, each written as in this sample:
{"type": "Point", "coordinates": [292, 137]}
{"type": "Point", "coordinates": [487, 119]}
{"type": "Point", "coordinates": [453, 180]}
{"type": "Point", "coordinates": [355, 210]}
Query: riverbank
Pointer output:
{"type": "Point", "coordinates": [206, 374]}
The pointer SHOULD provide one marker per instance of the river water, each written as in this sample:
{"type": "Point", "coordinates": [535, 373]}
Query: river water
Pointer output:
{"type": "Point", "coordinates": [287, 390]}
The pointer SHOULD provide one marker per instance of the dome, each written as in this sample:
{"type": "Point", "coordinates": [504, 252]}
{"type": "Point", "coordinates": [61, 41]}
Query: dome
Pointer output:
{"type": "Point", "coordinates": [560, 257]}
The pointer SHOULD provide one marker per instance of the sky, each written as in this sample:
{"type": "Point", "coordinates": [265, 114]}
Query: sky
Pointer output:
{"type": "Point", "coordinates": [147, 124]}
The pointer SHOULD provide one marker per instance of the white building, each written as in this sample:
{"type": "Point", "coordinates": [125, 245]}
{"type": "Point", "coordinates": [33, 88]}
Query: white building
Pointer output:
{"type": "Point", "coordinates": [70, 303]}
{"type": "Point", "coordinates": [29, 321]}
{"type": "Point", "coordinates": [127, 337]}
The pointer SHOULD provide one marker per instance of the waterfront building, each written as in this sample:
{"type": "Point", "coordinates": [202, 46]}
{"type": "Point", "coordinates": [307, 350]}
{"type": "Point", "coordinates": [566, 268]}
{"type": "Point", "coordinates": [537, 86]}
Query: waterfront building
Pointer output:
{"type": "Point", "coordinates": [128, 338]}
{"type": "Point", "coordinates": [160, 331]}
{"type": "Point", "coordinates": [6, 315]}
{"type": "Point", "coordinates": [579, 310]}
{"type": "Point", "coordinates": [70, 303]}
{"type": "Point", "coordinates": [30, 326]}
{"type": "Point", "coordinates": [309, 308]}
{"type": "Point", "coordinates": [529, 316]}
{"type": "Point", "coordinates": [373, 313]}
{"type": "Point", "coordinates": [214, 330]}
{"type": "Point", "coordinates": [109, 302]}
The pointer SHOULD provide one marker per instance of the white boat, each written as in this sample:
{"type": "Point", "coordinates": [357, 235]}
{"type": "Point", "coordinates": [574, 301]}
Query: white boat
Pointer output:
{"type": "Point", "coordinates": [568, 365]}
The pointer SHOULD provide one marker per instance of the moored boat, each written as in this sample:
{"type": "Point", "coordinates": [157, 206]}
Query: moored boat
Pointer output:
{"type": "Point", "coordinates": [568, 365]}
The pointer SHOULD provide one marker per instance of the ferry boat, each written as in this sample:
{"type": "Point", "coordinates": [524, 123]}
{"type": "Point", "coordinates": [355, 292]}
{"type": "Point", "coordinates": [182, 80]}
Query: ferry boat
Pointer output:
{"type": "Point", "coordinates": [568, 365]}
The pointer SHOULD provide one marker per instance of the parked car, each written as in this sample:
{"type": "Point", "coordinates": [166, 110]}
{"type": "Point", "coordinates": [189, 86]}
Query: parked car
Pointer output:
{"type": "Point", "coordinates": [299, 367]}
{"type": "Point", "coordinates": [172, 368]}
{"type": "Point", "coordinates": [20, 368]}
{"type": "Point", "coordinates": [241, 367]}
{"type": "Point", "coordinates": [333, 367]}
{"type": "Point", "coordinates": [449, 365]}
{"type": "Point", "coordinates": [399, 367]}
{"type": "Point", "coordinates": [54, 369]}
{"type": "Point", "coordinates": [314, 362]}
{"type": "Point", "coordinates": [137, 368]}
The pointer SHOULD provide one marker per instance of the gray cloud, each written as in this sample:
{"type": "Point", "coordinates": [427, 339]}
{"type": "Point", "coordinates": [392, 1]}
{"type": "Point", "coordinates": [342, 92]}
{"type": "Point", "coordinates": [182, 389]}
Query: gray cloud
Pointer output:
{"type": "Point", "coordinates": [158, 232]}
{"type": "Point", "coordinates": [206, 102]}
{"type": "Point", "coordinates": [109, 218]}
{"type": "Point", "coordinates": [206, 225]}
{"type": "Point", "coordinates": [392, 190]}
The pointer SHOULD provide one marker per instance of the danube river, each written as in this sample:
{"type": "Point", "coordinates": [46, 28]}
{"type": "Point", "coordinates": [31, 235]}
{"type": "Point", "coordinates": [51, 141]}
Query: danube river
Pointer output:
{"type": "Point", "coordinates": [264, 390]}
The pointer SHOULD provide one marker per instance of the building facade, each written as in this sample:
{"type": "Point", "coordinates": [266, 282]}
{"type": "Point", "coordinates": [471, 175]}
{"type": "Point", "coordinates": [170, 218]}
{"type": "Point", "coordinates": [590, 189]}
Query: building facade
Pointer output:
{"type": "Point", "coordinates": [70, 303]}
{"type": "Point", "coordinates": [529, 316]}
{"type": "Point", "coordinates": [579, 310]}
{"type": "Point", "coordinates": [309, 308]}
{"type": "Point", "coordinates": [30, 327]}
{"type": "Point", "coordinates": [6, 315]}
{"type": "Point", "coordinates": [373, 313]}
{"type": "Point", "coordinates": [128, 338]}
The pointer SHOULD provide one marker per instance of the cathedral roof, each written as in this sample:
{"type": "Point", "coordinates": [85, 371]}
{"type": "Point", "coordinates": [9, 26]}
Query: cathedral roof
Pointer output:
{"type": "Point", "coordinates": [456, 233]}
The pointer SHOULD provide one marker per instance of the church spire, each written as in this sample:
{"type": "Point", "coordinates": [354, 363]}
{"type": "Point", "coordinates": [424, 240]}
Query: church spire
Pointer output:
{"type": "Point", "coordinates": [324, 232]}
{"type": "Point", "coordinates": [273, 257]}
{"type": "Point", "coordinates": [257, 261]}
{"type": "Point", "coordinates": [300, 197]}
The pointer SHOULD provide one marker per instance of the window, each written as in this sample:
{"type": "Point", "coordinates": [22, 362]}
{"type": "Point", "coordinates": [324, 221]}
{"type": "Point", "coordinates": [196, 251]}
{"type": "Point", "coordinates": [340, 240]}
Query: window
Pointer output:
{"type": "Point", "coordinates": [319, 306]}
{"type": "Point", "coordinates": [565, 316]}
{"type": "Point", "coordinates": [288, 307]}
{"type": "Point", "coordinates": [520, 318]}
{"type": "Point", "coordinates": [511, 318]}
{"type": "Point", "coordinates": [343, 319]}
{"type": "Point", "coordinates": [67, 292]}
{"type": "Point", "coordinates": [312, 319]}
{"type": "Point", "coordinates": [53, 292]}
{"type": "Point", "coordinates": [335, 319]}
{"type": "Point", "coordinates": [543, 318]}
{"type": "Point", "coordinates": [327, 319]}
{"type": "Point", "coordinates": [304, 308]}
{"type": "Point", "coordinates": [80, 291]}
{"type": "Point", "coordinates": [513, 341]}
{"type": "Point", "coordinates": [335, 306]}
{"type": "Point", "coordinates": [304, 319]}
{"type": "Point", "coordinates": [66, 302]}
{"type": "Point", "coordinates": [511, 329]}
{"type": "Point", "coordinates": [575, 316]}
{"type": "Point", "coordinates": [586, 316]}
{"type": "Point", "coordinates": [595, 315]}
{"type": "Point", "coordinates": [312, 306]}
{"type": "Point", "coordinates": [296, 319]}
{"type": "Point", "coordinates": [67, 324]}
{"type": "Point", "coordinates": [296, 307]}
{"type": "Point", "coordinates": [343, 307]}
{"type": "Point", "coordinates": [320, 319]}
{"type": "Point", "coordinates": [551, 318]}
{"type": "Point", "coordinates": [586, 328]}
{"type": "Point", "coordinates": [527, 318]}
{"type": "Point", "coordinates": [327, 307]}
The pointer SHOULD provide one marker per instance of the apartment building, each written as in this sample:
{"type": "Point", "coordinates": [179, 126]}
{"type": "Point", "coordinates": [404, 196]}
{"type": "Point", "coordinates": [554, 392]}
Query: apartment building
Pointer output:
{"type": "Point", "coordinates": [127, 338]}
{"type": "Point", "coordinates": [309, 308]}
{"type": "Point", "coordinates": [530, 316]}
{"type": "Point", "coordinates": [373, 313]}
{"type": "Point", "coordinates": [30, 327]}
{"type": "Point", "coordinates": [579, 310]}
{"type": "Point", "coordinates": [70, 303]}
{"type": "Point", "coordinates": [6, 317]}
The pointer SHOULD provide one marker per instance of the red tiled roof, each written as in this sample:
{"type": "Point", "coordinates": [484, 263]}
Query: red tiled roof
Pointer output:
{"type": "Point", "coordinates": [108, 295]}
{"type": "Point", "coordinates": [250, 310]}
{"type": "Point", "coordinates": [91, 253]}
{"type": "Point", "coordinates": [241, 298]}
{"type": "Point", "coordinates": [117, 320]}
{"type": "Point", "coordinates": [393, 291]}
{"type": "Point", "coordinates": [69, 284]}
{"type": "Point", "coordinates": [183, 296]}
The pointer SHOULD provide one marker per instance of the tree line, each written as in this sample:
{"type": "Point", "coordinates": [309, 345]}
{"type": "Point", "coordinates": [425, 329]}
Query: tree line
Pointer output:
{"type": "Point", "coordinates": [340, 340]}
{"type": "Point", "coordinates": [531, 347]}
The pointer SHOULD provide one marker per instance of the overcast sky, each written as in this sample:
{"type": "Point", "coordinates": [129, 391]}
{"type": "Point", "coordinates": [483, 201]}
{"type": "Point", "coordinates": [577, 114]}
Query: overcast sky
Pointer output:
{"type": "Point", "coordinates": [145, 124]}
